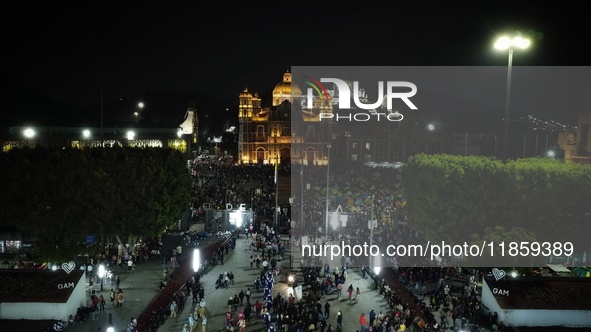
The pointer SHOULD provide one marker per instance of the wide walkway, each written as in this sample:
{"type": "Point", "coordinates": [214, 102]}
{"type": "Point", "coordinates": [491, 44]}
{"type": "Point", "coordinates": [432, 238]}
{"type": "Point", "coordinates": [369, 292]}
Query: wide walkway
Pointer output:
{"type": "Point", "coordinates": [237, 262]}
{"type": "Point", "coordinates": [139, 287]}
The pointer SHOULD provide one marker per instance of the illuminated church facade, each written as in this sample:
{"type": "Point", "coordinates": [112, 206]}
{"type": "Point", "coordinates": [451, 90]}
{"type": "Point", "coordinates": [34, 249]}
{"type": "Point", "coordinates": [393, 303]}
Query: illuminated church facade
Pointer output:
{"type": "Point", "coordinates": [283, 132]}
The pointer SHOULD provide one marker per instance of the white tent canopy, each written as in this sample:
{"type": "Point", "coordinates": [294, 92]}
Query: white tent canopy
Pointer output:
{"type": "Point", "coordinates": [559, 268]}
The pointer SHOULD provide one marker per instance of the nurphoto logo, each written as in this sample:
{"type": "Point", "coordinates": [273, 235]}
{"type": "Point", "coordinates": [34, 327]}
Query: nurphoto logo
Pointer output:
{"type": "Point", "coordinates": [344, 93]}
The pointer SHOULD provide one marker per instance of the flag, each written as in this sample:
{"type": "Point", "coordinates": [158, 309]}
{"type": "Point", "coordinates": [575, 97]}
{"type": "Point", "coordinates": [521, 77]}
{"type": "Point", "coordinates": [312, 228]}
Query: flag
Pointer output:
{"type": "Point", "coordinates": [275, 173]}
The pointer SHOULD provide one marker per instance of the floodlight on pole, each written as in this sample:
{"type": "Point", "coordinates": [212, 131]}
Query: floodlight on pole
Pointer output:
{"type": "Point", "coordinates": [505, 43]}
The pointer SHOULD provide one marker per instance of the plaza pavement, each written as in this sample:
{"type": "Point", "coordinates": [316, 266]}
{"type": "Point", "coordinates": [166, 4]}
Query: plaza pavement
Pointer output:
{"type": "Point", "coordinates": [139, 287]}
{"type": "Point", "coordinates": [237, 261]}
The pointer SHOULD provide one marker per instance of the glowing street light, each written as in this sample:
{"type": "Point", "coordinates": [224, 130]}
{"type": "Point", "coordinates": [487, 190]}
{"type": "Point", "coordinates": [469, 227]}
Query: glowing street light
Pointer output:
{"type": "Point", "coordinates": [136, 114]}
{"type": "Point", "coordinates": [431, 127]}
{"type": "Point", "coordinates": [196, 260]}
{"type": "Point", "coordinates": [551, 154]}
{"type": "Point", "coordinates": [29, 132]}
{"type": "Point", "coordinates": [101, 274]}
{"type": "Point", "coordinates": [504, 43]}
{"type": "Point", "coordinates": [86, 133]}
{"type": "Point", "coordinates": [130, 135]}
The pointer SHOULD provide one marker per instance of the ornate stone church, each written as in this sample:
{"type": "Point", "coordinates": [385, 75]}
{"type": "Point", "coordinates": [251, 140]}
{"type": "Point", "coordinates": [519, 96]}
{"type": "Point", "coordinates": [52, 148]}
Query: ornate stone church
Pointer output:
{"type": "Point", "coordinates": [283, 132]}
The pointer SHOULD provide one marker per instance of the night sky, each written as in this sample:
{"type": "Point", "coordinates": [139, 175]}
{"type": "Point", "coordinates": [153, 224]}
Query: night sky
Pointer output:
{"type": "Point", "coordinates": [128, 48]}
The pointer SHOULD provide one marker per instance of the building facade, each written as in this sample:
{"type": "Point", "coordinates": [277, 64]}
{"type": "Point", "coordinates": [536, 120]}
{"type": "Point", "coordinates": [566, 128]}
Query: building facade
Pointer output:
{"type": "Point", "coordinates": [576, 142]}
{"type": "Point", "coordinates": [289, 132]}
{"type": "Point", "coordinates": [283, 132]}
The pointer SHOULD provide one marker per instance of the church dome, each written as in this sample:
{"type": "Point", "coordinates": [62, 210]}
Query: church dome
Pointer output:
{"type": "Point", "coordinates": [287, 88]}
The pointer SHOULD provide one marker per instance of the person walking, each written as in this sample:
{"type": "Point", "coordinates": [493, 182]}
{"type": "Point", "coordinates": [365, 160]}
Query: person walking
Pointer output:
{"type": "Point", "coordinates": [350, 290]}
{"type": "Point", "coordinates": [247, 294]}
{"type": "Point", "coordinates": [120, 299]}
{"type": "Point", "coordinates": [339, 320]}
{"type": "Point", "coordinates": [203, 324]}
{"type": "Point", "coordinates": [357, 293]}
{"type": "Point", "coordinates": [235, 303]}
{"type": "Point", "coordinates": [112, 296]}
{"type": "Point", "coordinates": [362, 322]}
{"type": "Point", "coordinates": [241, 296]}
{"type": "Point", "coordinates": [102, 304]}
{"type": "Point", "coordinates": [173, 309]}
{"type": "Point", "coordinates": [327, 310]}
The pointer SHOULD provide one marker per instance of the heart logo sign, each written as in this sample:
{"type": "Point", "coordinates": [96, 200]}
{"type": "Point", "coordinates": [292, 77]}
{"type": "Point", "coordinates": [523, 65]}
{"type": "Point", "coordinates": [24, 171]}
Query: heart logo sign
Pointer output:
{"type": "Point", "coordinates": [498, 274]}
{"type": "Point", "coordinates": [69, 267]}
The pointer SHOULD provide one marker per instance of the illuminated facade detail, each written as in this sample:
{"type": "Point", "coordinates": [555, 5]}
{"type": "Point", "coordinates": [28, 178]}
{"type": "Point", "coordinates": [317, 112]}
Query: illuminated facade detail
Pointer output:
{"type": "Point", "coordinates": [576, 142]}
{"type": "Point", "coordinates": [283, 132]}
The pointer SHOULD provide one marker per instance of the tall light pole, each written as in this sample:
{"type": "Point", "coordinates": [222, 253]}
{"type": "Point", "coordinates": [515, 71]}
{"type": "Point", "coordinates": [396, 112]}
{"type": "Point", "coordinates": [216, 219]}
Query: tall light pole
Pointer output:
{"type": "Point", "coordinates": [327, 187]}
{"type": "Point", "coordinates": [507, 43]}
{"type": "Point", "coordinates": [276, 194]}
{"type": "Point", "coordinates": [371, 264]}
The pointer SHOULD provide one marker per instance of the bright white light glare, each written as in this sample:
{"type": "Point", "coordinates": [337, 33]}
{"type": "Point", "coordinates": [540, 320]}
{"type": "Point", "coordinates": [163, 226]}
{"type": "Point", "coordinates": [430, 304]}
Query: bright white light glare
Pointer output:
{"type": "Point", "coordinates": [514, 274]}
{"type": "Point", "coordinates": [504, 43]}
{"type": "Point", "coordinates": [179, 133]}
{"type": "Point", "coordinates": [101, 271]}
{"type": "Point", "coordinates": [290, 278]}
{"type": "Point", "coordinates": [236, 218]}
{"type": "Point", "coordinates": [377, 270]}
{"type": "Point", "coordinates": [196, 260]}
{"type": "Point", "coordinates": [130, 135]}
{"type": "Point", "coordinates": [431, 126]}
{"type": "Point", "coordinates": [140, 105]}
{"type": "Point", "coordinates": [551, 154]}
{"type": "Point", "coordinates": [521, 42]}
{"type": "Point", "coordinates": [29, 132]}
{"type": "Point", "coordinates": [110, 329]}
{"type": "Point", "coordinates": [86, 133]}
{"type": "Point", "coordinates": [54, 267]}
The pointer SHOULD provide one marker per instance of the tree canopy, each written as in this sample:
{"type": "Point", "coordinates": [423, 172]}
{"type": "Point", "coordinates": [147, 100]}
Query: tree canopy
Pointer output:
{"type": "Point", "coordinates": [60, 196]}
{"type": "Point", "coordinates": [463, 198]}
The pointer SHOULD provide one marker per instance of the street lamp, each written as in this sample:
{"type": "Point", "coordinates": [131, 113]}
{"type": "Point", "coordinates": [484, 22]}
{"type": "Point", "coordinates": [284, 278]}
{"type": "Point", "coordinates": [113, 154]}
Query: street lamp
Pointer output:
{"type": "Point", "coordinates": [504, 43]}
{"type": "Point", "coordinates": [101, 274]}
{"type": "Point", "coordinates": [371, 228]}
{"type": "Point", "coordinates": [136, 114]}
{"type": "Point", "coordinates": [431, 127]}
{"type": "Point", "coordinates": [327, 187]}
{"type": "Point", "coordinates": [196, 260]}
